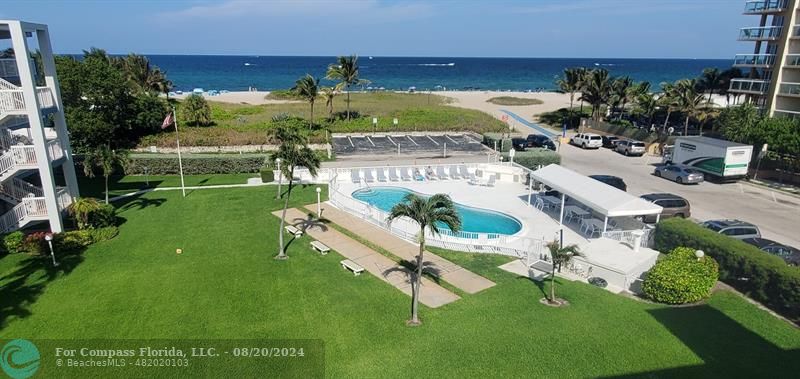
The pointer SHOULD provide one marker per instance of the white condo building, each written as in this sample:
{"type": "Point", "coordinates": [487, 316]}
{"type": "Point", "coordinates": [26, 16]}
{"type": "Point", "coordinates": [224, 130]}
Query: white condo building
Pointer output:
{"type": "Point", "coordinates": [37, 175]}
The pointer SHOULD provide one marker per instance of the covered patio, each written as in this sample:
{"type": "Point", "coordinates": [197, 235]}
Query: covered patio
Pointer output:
{"type": "Point", "coordinates": [580, 198]}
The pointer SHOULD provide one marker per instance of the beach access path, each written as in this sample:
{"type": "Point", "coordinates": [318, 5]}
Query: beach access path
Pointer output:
{"type": "Point", "coordinates": [450, 272]}
{"type": "Point", "coordinates": [431, 295]}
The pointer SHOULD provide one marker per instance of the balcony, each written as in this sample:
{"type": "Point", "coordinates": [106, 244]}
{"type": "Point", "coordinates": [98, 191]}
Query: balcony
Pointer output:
{"type": "Point", "coordinates": [754, 60]}
{"type": "Point", "coordinates": [786, 113]}
{"type": "Point", "coordinates": [789, 89]}
{"type": "Point", "coordinates": [751, 86]}
{"type": "Point", "coordinates": [8, 68]}
{"type": "Point", "coordinates": [792, 61]}
{"type": "Point", "coordinates": [12, 100]}
{"type": "Point", "coordinates": [765, 6]}
{"type": "Point", "coordinates": [766, 33]}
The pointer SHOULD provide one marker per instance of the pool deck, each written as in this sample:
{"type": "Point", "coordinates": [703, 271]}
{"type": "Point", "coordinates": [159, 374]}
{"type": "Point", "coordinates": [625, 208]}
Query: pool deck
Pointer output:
{"type": "Point", "coordinates": [450, 272]}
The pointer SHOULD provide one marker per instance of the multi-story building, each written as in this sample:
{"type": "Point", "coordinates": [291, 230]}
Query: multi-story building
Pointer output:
{"type": "Point", "coordinates": [772, 72]}
{"type": "Point", "coordinates": [37, 175]}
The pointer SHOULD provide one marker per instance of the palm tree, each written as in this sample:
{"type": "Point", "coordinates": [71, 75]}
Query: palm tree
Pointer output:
{"type": "Point", "coordinates": [597, 91]}
{"type": "Point", "coordinates": [583, 75]}
{"type": "Point", "coordinates": [328, 93]}
{"type": "Point", "coordinates": [345, 70]}
{"type": "Point", "coordinates": [107, 160]}
{"type": "Point", "coordinates": [196, 110]}
{"type": "Point", "coordinates": [620, 88]}
{"type": "Point", "coordinates": [725, 82]}
{"type": "Point", "coordinates": [711, 80]}
{"type": "Point", "coordinates": [142, 76]}
{"type": "Point", "coordinates": [570, 83]}
{"type": "Point", "coordinates": [646, 104]}
{"type": "Point", "coordinates": [81, 208]}
{"type": "Point", "coordinates": [293, 151]}
{"type": "Point", "coordinates": [307, 88]}
{"type": "Point", "coordinates": [430, 214]}
{"type": "Point", "coordinates": [689, 100]}
{"type": "Point", "coordinates": [560, 256]}
{"type": "Point", "coordinates": [668, 100]}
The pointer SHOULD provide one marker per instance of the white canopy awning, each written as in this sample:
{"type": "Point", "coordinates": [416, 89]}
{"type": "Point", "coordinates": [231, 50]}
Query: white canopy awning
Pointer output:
{"type": "Point", "coordinates": [601, 197]}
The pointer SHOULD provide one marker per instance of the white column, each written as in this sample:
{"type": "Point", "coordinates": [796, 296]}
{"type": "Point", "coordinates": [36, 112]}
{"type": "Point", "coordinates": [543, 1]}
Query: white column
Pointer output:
{"type": "Point", "coordinates": [530, 188]}
{"type": "Point", "coordinates": [561, 217]}
{"type": "Point", "coordinates": [605, 224]}
{"type": "Point", "coordinates": [658, 217]}
{"type": "Point", "coordinates": [28, 84]}
{"type": "Point", "coordinates": [46, 50]}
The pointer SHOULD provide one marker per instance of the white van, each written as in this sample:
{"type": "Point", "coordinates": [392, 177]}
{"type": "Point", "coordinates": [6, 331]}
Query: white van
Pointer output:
{"type": "Point", "coordinates": [587, 140]}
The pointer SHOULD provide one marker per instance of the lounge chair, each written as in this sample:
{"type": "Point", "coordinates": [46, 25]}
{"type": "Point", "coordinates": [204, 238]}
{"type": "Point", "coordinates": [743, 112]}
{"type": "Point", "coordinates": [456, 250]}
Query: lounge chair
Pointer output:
{"type": "Point", "coordinates": [368, 176]}
{"type": "Point", "coordinates": [441, 173]}
{"type": "Point", "coordinates": [430, 174]}
{"type": "Point", "coordinates": [490, 181]}
{"type": "Point", "coordinates": [404, 175]}
{"type": "Point", "coordinates": [474, 180]}
{"type": "Point", "coordinates": [454, 172]}
{"type": "Point", "coordinates": [381, 176]}
{"type": "Point", "coordinates": [393, 175]}
{"type": "Point", "coordinates": [463, 171]}
{"type": "Point", "coordinates": [355, 175]}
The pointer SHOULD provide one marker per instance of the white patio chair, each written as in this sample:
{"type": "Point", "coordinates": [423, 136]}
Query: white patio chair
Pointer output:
{"type": "Point", "coordinates": [454, 172]}
{"type": "Point", "coordinates": [381, 176]}
{"type": "Point", "coordinates": [463, 171]}
{"type": "Point", "coordinates": [393, 175]}
{"type": "Point", "coordinates": [404, 175]}
{"type": "Point", "coordinates": [473, 180]}
{"type": "Point", "coordinates": [430, 174]}
{"type": "Point", "coordinates": [490, 181]}
{"type": "Point", "coordinates": [368, 176]}
{"type": "Point", "coordinates": [355, 176]}
{"type": "Point", "coordinates": [441, 173]}
{"type": "Point", "coordinates": [539, 204]}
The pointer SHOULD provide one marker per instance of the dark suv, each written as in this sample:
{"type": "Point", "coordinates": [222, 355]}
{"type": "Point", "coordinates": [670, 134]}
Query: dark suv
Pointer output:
{"type": "Point", "coordinates": [519, 144]}
{"type": "Point", "coordinates": [674, 206]}
{"type": "Point", "coordinates": [614, 181]}
{"type": "Point", "coordinates": [538, 140]}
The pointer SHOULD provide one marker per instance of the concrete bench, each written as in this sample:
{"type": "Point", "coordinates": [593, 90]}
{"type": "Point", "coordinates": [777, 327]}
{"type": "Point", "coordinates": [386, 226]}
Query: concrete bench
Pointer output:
{"type": "Point", "coordinates": [319, 246]}
{"type": "Point", "coordinates": [294, 231]}
{"type": "Point", "coordinates": [352, 266]}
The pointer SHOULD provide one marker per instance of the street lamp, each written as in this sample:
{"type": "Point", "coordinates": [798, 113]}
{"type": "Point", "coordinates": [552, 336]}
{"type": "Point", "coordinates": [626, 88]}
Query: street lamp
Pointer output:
{"type": "Point", "coordinates": [319, 207]}
{"type": "Point", "coordinates": [699, 254]}
{"type": "Point", "coordinates": [374, 125]}
{"type": "Point", "coordinates": [394, 121]}
{"type": "Point", "coordinates": [280, 177]}
{"type": "Point", "coordinates": [49, 238]}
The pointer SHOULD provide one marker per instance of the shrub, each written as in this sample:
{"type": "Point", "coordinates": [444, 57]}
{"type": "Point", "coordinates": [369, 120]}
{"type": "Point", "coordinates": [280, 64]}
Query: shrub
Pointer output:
{"type": "Point", "coordinates": [764, 277]}
{"type": "Point", "coordinates": [511, 100]}
{"type": "Point", "coordinates": [559, 117]}
{"type": "Point", "coordinates": [13, 242]}
{"type": "Point", "coordinates": [103, 234]}
{"type": "Point", "coordinates": [503, 142]}
{"type": "Point", "coordinates": [534, 158]}
{"type": "Point", "coordinates": [104, 215]}
{"type": "Point", "coordinates": [168, 165]}
{"type": "Point", "coordinates": [267, 175]}
{"type": "Point", "coordinates": [35, 244]}
{"type": "Point", "coordinates": [282, 94]}
{"type": "Point", "coordinates": [195, 110]}
{"type": "Point", "coordinates": [681, 278]}
{"type": "Point", "coordinates": [72, 241]}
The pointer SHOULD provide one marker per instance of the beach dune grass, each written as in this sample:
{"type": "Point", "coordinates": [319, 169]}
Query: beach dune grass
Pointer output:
{"type": "Point", "coordinates": [514, 101]}
{"type": "Point", "coordinates": [226, 285]}
{"type": "Point", "coordinates": [246, 124]}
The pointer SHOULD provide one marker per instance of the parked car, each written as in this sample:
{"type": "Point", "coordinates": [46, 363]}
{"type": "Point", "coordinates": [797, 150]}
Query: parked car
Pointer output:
{"type": "Point", "coordinates": [610, 141]}
{"type": "Point", "coordinates": [587, 140]}
{"type": "Point", "coordinates": [538, 140]}
{"type": "Point", "coordinates": [629, 147]}
{"type": "Point", "coordinates": [733, 228]}
{"type": "Point", "coordinates": [788, 253]}
{"type": "Point", "coordinates": [679, 174]}
{"type": "Point", "coordinates": [674, 206]}
{"type": "Point", "coordinates": [519, 144]}
{"type": "Point", "coordinates": [611, 180]}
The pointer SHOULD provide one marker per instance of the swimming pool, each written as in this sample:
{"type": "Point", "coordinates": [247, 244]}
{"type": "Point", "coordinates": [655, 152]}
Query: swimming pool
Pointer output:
{"type": "Point", "coordinates": [473, 220]}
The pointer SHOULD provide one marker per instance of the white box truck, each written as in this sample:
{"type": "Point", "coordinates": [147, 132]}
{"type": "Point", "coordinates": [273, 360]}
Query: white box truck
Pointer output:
{"type": "Point", "coordinates": [723, 159]}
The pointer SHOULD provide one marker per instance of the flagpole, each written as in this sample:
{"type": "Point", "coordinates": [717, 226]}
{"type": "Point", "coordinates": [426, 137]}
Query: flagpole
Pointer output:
{"type": "Point", "coordinates": [178, 143]}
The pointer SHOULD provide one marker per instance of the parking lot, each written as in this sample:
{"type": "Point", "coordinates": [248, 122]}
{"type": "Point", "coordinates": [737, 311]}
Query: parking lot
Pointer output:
{"type": "Point", "coordinates": [406, 145]}
{"type": "Point", "coordinates": [776, 214]}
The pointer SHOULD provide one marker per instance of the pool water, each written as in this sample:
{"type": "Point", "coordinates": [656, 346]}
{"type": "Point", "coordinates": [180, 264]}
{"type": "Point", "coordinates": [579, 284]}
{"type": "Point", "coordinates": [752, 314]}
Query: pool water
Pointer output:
{"type": "Point", "coordinates": [473, 220]}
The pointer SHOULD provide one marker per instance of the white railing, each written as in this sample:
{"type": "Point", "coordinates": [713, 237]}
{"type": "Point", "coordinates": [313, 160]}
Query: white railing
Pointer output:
{"type": "Point", "coordinates": [20, 189]}
{"type": "Point", "coordinates": [54, 149]}
{"type": "Point", "coordinates": [31, 208]}
{"type": "Point", "coordinates": [63, 198]}
{"type": "Point", "coordinates": [11, 100]}
{"type": "Point", "coordinates": [17, 157]}
{"type": "Point", "coordinates": [45, 97]}
{"type": "Point", "coordinates": [628, 237]}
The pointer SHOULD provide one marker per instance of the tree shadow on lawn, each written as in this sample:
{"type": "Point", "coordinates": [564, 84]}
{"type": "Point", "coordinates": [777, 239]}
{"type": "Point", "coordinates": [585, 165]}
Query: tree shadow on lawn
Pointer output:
{"type": "Point", "coordinates": [94, 187]}
{"type": "Point", "coordinates": [27, 282]}
{"type": "Point", "coordinates": [138, 202]}
{"type": "Point", "coordinates": [429, 270]}
{"type": "Point", "coordinates": [727, 348]}
{"type": "Point", "coordinates": [540, 284]}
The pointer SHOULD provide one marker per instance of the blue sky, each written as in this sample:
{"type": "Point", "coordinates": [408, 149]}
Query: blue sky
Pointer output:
{"type": "Point", "coordinates": [472, 28]}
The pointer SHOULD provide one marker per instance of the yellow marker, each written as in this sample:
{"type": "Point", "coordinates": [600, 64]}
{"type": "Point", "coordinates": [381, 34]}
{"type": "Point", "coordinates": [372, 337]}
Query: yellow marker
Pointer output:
{"type": "Point", "coordinates": [178, 251]}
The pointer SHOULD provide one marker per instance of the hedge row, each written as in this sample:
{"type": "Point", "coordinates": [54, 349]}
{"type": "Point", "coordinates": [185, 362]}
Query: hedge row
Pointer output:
{"type": "Point", "coordinates": [764, 277]}
{"type": "Point", "coordinates": [534, 158]}
{"type": "Point", "coordinates": [168, 165]}
{"type": "Point", "coordinates": [503, 141]}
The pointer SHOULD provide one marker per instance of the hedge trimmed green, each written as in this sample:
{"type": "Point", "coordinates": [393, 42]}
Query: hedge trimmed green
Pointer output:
{"type": "Point", "coordinates": [168, 165]}
{"type": "Point", "coordinates": [267, 174]}
{"type": "Point", "coordinates": [681, 278]}
{"type": "Point", "coordinates": [534, 158]}
{"type": "Point", "coordinates": [764, 277]}
{"type": "Point", "coordinates": [503, 141]}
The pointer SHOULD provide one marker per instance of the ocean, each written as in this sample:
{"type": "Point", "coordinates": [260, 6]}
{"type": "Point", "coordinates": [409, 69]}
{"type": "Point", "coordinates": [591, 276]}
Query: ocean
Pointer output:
{"type": "Point", "coordinates": [238, 73]}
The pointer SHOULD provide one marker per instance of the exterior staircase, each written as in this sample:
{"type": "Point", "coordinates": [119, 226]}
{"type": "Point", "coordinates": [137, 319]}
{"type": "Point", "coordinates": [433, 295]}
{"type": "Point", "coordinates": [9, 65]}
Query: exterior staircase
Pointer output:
{"type": "Point", "coordinates": [12, 101]}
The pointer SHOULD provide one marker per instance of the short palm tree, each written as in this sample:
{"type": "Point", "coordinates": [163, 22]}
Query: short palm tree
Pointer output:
{"type": "Point", "coordinates": [560, 256]}
{"type": "Point", "coordinates": [597, 91]}
{"type": "Point", "coordinates": [620, 88]}
{"type": "Point", "coordinates": [646, 105]}
{"type": "Point", "coordinates": [668, 99]}
{"type": "Point", "coordinates": [689, 100]}
{"type": "Point", "coordinates": [307, 88]}
{"type": "Point", "coordinates": [570, 83]}
{"type": "Point", "coordinates": [711, 80]}
{"type": "Point", "coordinates": [430, 214]}
{"type": "Point", "coordinates": [328, 93]}
{"type": "Point", "coordinates": [345, 70]}
{"type": "Point", "coordinates": [583, 76]}
{"type": "Point", "coordinates": [294, 152]}
{"type": "Point", "coordinates": [142, 76]}
{"type": "Point", "coordinates": [81, 208]}
{"type": "Point", "coordinates": [107, 160]}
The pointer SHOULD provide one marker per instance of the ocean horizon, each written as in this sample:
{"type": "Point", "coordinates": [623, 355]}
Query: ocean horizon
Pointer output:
{"type": "Point", "coordinates": [242, 72]}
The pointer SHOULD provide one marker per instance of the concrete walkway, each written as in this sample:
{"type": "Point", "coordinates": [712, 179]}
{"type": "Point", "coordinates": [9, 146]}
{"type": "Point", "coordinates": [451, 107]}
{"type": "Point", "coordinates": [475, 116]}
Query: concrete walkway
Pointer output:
{"type": "Point", "coordinates": [450, 272]}
{"type": "Point", "coordinates": [432, 294]}
{"type": "Point", "coordinates": [529, 124]}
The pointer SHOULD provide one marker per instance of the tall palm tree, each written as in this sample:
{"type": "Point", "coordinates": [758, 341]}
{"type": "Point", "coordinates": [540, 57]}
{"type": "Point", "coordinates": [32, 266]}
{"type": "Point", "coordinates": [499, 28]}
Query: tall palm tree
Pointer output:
{"type": "Point", "coordinates": [583, 75]}
{"type": "Point", "coordinates": [646, 104]}
{"type": "Point", "coordinates": [345, 70]}
{"type": "Point", "coordinates": [668, 100]}
{"type": "Point", "coordinates": [711, 80]}
{"type": "Point", "coordinates": [107, 160]}
{"type": "Point", "coordinates": [689, 100]}
{"type": "Point", "coordinates": [430, 214]}
{"type": "Point", "coordinates": [293, 151]}
{"type": "Point", "coordinates": [597, 91]}
{"type": "Point", "coordinates": [570, 83]}
{"type": "Point", "coordinates": [560, 256]}
{"type": "Point", "coordinates": [620, 88]}
{"type": "Point", "coordinates": [142, 76]}
{"type": "Point", "coordinates": [328, 93]}
{"type": "Point", "coordinates": [725, 82]}
{"type": "Point", "coordinates": [307, 88]}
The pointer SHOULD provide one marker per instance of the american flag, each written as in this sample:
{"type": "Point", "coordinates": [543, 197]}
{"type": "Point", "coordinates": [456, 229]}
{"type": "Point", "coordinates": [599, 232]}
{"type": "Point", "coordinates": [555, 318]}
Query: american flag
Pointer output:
{"type": "Point", "coordinates": [168, 121]}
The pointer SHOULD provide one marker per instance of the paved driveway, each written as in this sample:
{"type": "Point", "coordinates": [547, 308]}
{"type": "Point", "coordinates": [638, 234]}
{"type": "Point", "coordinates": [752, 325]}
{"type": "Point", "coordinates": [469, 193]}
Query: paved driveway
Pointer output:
{"type": "Point", "coordinates": [778, 218]}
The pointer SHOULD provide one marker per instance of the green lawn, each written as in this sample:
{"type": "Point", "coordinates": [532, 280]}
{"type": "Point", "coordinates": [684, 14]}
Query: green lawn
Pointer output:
{"type": "Point", "coordinates": [119, 185]}
{"type": "Point", "coordinates": [226, 285]}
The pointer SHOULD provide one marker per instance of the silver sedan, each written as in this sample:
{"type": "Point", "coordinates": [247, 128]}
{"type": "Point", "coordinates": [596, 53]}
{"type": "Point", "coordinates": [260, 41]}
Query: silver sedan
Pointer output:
{"type": "Point", "coordinates": [679, 174]}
